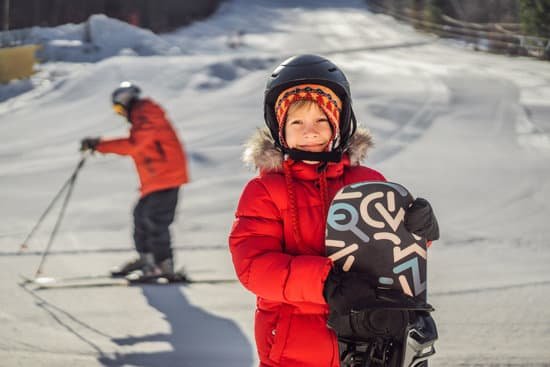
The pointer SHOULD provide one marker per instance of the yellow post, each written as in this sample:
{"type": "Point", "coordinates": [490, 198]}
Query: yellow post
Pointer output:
{"type": "Point", "coordinates": [17, 62]}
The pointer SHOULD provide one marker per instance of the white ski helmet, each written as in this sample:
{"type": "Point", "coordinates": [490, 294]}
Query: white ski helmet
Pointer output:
{"type": "Point", "coordinates": [125, 95]}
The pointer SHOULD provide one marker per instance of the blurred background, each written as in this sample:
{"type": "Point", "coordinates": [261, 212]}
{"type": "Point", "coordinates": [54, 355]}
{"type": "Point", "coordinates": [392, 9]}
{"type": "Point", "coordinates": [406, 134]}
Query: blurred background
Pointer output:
{"type": "Point", "coordinates": [516, 27]}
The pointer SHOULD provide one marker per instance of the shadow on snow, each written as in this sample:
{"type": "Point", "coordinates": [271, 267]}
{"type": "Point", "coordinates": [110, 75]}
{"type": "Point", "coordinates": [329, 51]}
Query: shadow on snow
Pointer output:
{"type": "Point", "coordinates": [195, 338]}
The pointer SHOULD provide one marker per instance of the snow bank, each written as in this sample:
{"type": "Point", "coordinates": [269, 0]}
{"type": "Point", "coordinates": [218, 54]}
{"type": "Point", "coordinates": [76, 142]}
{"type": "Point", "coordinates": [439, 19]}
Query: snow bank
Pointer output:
{"type": "Point", "coordinates": [99, 38]}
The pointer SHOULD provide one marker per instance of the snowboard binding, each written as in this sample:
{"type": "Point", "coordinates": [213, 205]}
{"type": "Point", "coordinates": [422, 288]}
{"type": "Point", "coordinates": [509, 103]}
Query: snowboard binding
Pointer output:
{"type": "Point", "coordinates": [372, 338]}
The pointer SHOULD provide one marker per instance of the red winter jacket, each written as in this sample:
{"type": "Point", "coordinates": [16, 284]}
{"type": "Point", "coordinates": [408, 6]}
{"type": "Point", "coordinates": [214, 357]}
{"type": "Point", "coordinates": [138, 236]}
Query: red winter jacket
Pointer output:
{"type": "Point", "coordinates": [277, 245]}
{"type": "Point", "coordinates": [154, 146]}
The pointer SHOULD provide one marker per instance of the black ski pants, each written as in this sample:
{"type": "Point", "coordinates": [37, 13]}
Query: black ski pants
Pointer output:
{"type": "Point", "coordinates": [153, 214]}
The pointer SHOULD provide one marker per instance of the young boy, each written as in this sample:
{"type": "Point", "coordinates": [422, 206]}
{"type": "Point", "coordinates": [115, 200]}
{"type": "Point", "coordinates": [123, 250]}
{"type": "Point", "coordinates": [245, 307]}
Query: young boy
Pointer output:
{"type": "Point", "coordinates": [162, 168]}
{"type": "Point", "coordinates": [310, 150]}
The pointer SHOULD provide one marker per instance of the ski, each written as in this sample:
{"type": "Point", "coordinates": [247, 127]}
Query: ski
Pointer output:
{"type": "Point", "coordinates": [96, 281]}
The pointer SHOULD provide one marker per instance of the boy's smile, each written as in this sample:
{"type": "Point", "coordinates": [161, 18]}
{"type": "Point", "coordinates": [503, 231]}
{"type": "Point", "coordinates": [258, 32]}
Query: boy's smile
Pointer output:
{"type": "Point", "coordinates": [307, 128]}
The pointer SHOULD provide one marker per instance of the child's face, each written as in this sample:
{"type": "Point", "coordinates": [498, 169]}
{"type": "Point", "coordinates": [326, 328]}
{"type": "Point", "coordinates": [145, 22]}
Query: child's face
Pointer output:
{"type": "Point", "coordinates": [307, 128]}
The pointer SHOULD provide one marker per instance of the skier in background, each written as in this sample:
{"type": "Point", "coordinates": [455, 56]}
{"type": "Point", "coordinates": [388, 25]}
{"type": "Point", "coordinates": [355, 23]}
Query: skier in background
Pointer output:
{"type": "Point", "coordinates": [310, 150]}
{"type": "Point", "coordinates": [161, 164]}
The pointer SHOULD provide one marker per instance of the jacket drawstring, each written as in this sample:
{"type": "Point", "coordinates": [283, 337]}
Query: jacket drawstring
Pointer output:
{"type": "Point", "coordinates": [292, 202]}
{"type": "Point", "coordinates": [323, 188]}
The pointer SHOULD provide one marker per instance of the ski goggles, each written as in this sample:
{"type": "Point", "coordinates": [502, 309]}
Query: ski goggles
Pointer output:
{"type": "Point", "coordinates": [119, 109]}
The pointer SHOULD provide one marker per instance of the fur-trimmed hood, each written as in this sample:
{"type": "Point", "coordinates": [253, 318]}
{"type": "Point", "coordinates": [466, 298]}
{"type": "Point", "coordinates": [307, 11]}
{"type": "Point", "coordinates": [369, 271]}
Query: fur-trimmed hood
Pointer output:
{"type": "Point", "coordinates": [260, 151]}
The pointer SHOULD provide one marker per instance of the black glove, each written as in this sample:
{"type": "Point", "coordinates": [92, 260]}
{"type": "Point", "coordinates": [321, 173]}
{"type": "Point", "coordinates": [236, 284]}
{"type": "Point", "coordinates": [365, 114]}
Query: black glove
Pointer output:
{"type": "Point", "coordinates": [88, 144]}
{"type": "Point", "coordinates": [344, 291]}
{"type": "Point", "coordinates": [393, 298]}
{"type": "Point", "coordinates": [420, 220]}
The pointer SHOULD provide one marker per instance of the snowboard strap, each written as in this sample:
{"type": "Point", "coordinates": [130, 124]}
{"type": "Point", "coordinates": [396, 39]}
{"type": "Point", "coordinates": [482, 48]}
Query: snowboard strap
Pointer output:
{"type": "Point", "coordinates": [377, 353]}
{"type": "Point", "coordinates": [384, 337]}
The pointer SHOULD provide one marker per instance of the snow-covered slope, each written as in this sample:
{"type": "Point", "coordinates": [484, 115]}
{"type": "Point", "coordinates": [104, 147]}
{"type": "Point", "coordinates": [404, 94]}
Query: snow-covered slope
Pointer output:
{"type": "Point", "coordinates": [468, 131]}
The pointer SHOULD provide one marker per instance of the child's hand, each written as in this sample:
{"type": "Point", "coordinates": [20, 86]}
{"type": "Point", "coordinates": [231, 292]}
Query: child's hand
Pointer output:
{"type": "Point", "coordinates": [420, 220]}
{"type": "Point", "coordinates": [343, 291]}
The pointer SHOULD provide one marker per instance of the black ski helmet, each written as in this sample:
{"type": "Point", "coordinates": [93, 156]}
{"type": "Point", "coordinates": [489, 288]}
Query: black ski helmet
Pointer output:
{"type": "Point", "coordinates": [125, 95]}
{"type": "Point", "coordinates": [310, 69]}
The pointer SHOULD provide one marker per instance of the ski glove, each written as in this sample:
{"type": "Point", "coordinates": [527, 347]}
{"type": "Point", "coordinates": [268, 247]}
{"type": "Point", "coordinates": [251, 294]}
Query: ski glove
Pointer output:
{"type": "Point", "coordinates": [344, 291]}
{"type": "Point", "coordinates": [420, 220]}
{"type": "Point", "coordinates": [88, 144]}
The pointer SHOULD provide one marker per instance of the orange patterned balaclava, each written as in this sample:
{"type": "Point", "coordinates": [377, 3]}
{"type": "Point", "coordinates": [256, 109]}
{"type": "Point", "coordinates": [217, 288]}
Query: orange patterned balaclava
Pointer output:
{"type": "Point", "coordinates": [327, 100]}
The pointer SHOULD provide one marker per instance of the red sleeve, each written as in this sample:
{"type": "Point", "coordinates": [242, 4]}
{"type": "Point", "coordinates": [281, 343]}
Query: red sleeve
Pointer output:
{"type": "Point", "coordinates": [139, 138]}
{"type": "Point", "coordinates": [122, 146]}
{"type": "Point", "coordinates": [256, 244]}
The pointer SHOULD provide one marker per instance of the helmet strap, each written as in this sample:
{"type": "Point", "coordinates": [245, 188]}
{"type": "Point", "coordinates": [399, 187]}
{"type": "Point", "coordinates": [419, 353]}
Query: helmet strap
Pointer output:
{"type": "Point", "coordinates": [302, 155]}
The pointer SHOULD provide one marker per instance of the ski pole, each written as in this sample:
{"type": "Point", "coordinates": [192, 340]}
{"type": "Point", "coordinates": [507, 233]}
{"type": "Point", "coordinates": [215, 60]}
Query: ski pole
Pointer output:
{"type": "Point", "coordinates": [61, 214]}
{"type": "Point", "coordinates": [24, 245]}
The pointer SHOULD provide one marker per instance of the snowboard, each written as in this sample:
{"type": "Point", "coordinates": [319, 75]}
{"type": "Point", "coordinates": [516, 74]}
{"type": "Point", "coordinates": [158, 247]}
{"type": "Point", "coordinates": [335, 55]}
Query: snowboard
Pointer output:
{"type": "Point", "coordinates": [365, 233]}
{"type": "Point", "coordinates": [93, 281]}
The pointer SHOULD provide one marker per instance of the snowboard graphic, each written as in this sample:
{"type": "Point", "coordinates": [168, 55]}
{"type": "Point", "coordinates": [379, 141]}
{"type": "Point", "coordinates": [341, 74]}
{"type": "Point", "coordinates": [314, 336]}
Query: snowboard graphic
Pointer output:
{"type": "Point", "coordinates": [365, 233]}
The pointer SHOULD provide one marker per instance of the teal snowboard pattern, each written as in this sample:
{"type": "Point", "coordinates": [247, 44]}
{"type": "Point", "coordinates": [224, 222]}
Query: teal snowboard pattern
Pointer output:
{"type": "Point", "coordinates": [365, 233]}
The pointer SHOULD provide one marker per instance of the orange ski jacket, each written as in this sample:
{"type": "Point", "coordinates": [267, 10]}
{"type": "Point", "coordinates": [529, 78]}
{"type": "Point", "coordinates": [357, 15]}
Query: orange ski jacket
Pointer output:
{"type": "Point", "coordinates": [154, 146]}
